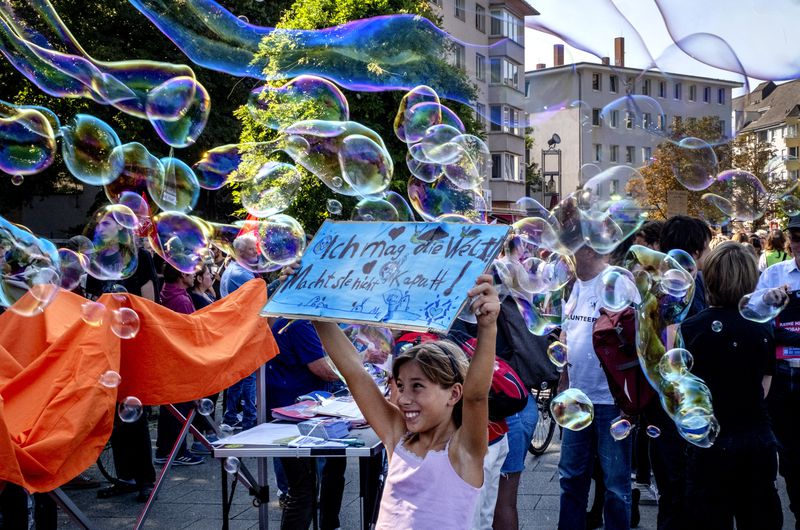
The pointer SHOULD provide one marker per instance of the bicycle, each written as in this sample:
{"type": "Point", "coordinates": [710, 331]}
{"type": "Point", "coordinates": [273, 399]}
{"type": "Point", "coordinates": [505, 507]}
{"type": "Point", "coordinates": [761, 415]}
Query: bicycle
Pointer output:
{"type": "Point", "coordinates": [105, 464]}
{"type": "Point", "coordinates": [546, 424]}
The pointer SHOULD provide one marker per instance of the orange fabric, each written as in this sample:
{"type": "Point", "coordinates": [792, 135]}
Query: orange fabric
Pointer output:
{"type": "Point", "coordinates": [55, 417]}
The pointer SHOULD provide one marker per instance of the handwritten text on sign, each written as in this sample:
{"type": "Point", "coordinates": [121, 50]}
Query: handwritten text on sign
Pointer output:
{"type": "Point", "coordinates": [402, 275]}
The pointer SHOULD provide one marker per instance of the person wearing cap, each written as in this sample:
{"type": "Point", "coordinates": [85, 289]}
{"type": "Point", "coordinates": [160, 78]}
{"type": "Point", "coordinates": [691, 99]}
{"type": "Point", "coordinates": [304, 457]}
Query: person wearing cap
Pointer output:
{"type": "Point", "coordinates": [784, 396]}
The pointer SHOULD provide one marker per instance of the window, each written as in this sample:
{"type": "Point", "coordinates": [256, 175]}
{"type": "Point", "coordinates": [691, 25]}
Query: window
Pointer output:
{"type": "Point", "coordinates": [614, 118]}
{"type": "Point", "coordinates": [721, 96]}
{"type": "Point", "coordinates": [596, 117]}
{"type": "Point", "coordinates": [480, 67]}
{"type": "Point", "coordinates": [628, 120]}
{"type": "Point", "coordinates": [647, 154]}
{"type": "Point", "coordinates": [504, 24]}
{"type": "Point", "coordinates": [706, 94]}
{"type": "Point", "coordinates": [613, 188]}
{"type": "Point", "coordinates": [692, 92]}
{"type": "Point", "coordinates": [678, 91]}
{"type": "Point", "coordinates": [497, 166]}
{"type": "Point", "coordinates": [460, 56]}
{"type": "Point", "coordinates": [596, 81]}
{"type": "Point", "coordinates": [511, 167]}
{"type": "Point", "coordinates": [612, 83]}
{"type": "Point", "coordinates": [630, 154]}
{"type": "Point", "coordinates": [662, 89]}
{"type": "Point", "coordinates": [598, 152]}
{"type": "Point", "coordinates": [495, 70]}
{"type": "Point", "coordinates": [646, 87]}
{"type": "Point", "coordinates": [722, 130]}
{"type": "Point", "coordinates": [496, 117]}
{"type": "Point", "coordinates": [792, 152]}
{"type": "Point", "coordinates": [614, 156]}
{"type": "Point", "coordinates": [661, 122]}
{"type": "Point", "coordinates": [630, 85]}
{"type": "Point", "coordinates": [480, 18]}
{"type": "Point", "coordinates": [480, 113]}
{"type": "Point", "coordinates": [511, 120]}
{"type": "Point", "coordinates": [510, 74]}
{"type": "Point", "coordinates": [461, 12]}
{"type": "Point", "coordinates": [647, 121]}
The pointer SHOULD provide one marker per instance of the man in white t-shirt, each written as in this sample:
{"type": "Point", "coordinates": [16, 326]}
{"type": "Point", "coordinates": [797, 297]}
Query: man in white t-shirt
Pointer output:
{"type": "Point", "coordinates": [579, 449]}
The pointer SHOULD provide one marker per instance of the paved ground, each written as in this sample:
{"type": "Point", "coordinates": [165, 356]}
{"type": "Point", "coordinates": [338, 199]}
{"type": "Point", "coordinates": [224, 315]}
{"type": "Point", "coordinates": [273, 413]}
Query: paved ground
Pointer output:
{"type": "Point", "coordinates": [191, 499]}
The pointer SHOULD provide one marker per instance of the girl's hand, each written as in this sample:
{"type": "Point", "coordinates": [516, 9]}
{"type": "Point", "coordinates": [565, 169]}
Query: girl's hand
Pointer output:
{"type": "Point", "coordinates": [289, 270]}
{"type": "Point", "coordinates": [486, 303]}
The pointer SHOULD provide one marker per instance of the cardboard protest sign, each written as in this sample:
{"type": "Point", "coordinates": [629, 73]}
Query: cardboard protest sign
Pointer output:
{"type": "Point", "coordinates": [411, 276]}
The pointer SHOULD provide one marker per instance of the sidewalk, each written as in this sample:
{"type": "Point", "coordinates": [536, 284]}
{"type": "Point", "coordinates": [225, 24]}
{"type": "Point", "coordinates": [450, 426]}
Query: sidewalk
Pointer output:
{"type": "Point", "coordinates": [191, 498]}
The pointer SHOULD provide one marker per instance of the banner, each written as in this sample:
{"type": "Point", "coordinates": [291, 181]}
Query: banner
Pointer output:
{"type": "Point", "coordinates": [411, 276]}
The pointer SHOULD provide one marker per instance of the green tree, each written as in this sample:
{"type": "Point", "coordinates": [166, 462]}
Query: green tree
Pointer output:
{"type": "Point", "coordinates": [374, 109]}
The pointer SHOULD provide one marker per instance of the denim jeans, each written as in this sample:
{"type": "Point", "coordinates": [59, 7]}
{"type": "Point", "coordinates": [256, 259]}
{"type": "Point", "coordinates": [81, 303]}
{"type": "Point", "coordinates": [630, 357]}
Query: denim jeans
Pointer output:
{"type": "Point", "coordinates": [520, 431]}
{"type": "Point", "coordinates": [244, 390]}
{"type": "Point", "coordinates": [578, 451]}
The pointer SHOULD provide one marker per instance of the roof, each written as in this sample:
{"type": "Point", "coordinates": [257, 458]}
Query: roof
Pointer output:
{"type": "Point", "coordinates": [634, 71]}
{"type": "Point", "coordinates": [781, 103]}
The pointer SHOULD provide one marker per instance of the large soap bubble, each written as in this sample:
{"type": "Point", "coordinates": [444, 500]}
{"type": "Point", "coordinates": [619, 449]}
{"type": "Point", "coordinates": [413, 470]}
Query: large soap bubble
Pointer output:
{"type": "Point", "coordinates": [272, 190]}
{"type": "Point", "coordinates": [27, 140]}
{"type": "Point", "coordinates": [180, 240]}
{"type": "Point", "coordinates": [176, 188]}
{"type": "Point", "coordinates": [572, 409]}
{"type": "Point", "coordinates": [113, 252]}
{"type": "Point", "coordinates": [89, 150]}
{"type": "Point", "coordinates": [178, 109]}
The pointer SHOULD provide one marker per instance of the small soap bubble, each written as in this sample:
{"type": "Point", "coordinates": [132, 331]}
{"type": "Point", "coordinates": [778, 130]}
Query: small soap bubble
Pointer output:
{"type": "Point", "coordinates": [620, 428]}
{"type": "Point", "coordinates": [110, 379]}
{"type": "Point", "coordinates": [675, 364]}
{"type": "Point", "coordinates": [653, 431]}
{"type": "Point", "coordinates": [93, 313]}
{"type": "Point", "coordinates": [334, 207]}
{"type": "Point", "coordinates": [763, 305]}
{"type": "Point", "coordinates": [557, 353]}
{"type": "Point", "coordinates": [572, 409]}
{"type": "Point", "coordinates": [205, 406]}
{"type": "Point", "coordinates": [125, 323]}
{"type": "Point", "coordinates": [336, 182]}
{"type": "Point", "coordinates": [130, 409]}
{"type": "Point", "coordinates": [716, 326]}
{"type": "Point", "coordinates": [232, 465]}
{"type": "Point", "coordinates": [118, 292]}
{"type": "Point", "coordinates": [17, 180]}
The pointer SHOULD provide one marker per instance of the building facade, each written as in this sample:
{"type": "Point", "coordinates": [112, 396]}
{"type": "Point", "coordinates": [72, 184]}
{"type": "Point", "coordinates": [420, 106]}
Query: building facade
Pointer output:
{"type": "Point", "coordinates": [588, 107]}
{"type": "Point", "coordinates": [498, 74]}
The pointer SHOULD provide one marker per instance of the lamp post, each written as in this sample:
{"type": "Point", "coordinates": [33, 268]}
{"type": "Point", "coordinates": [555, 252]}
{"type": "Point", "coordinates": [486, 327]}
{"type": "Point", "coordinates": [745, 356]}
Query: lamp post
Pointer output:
{"type": "Point", "coordinates": [551, 167]}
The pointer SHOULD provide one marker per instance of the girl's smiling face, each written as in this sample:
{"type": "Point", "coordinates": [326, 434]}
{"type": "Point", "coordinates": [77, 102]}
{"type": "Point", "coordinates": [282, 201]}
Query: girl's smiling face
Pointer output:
{"type": "Point", "coordinates": [425, 404]}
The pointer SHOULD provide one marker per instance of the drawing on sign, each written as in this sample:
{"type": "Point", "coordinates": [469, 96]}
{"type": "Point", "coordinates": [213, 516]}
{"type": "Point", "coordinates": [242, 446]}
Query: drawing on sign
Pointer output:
{"type": "Point", "coordinates": [402, 275]}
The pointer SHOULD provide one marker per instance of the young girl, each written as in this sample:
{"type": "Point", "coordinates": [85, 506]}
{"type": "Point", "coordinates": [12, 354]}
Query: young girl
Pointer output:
{"type": "Point", "coordinates": [436, 434]}
{"type": "Point", "coordinates": [734, 479]}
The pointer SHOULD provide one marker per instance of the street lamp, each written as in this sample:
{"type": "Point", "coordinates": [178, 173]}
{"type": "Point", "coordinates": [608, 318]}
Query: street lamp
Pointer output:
{"type": "Point", "coordinates": [551, 167]}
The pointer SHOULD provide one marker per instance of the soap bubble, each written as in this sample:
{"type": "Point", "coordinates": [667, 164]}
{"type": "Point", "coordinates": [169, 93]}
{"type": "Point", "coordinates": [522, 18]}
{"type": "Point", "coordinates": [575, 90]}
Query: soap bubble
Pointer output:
{"type": "Point", "coordinates": [716, 326]}
{"type": "Point", "coordinates": [139, 168]}
{"type": "Point", "coordinates": [110, 379]}
{"type": "Point", "coordinates": [431, 201]}
{"type": "Point", "coordinates": [366, 164]}
{"type": "Point", "coordinates": [178, 109]}
{"type": "Point", "coordinates": [176, 188]}
{"type": "Point", "coordinates": [763, 305]}
{"type": "Point", "coordinates": [539, 232]}
{"type": "Point", "coordinates": [745, 193]}
{"type": "Point", "coordinates": [675, 363]}
{"type": "Point", "coordinates": [180, 240]}
{"type": "Point", "coordinates": [572, 409]}
{"type": "Point", "coordinates": [282, 239]}
{"type": "Point", "coordinates": [404, 211]}
{"type": "Point", "coordinates": [424, 171]}
{"type": "Point", "coordinates": [272, 190]}
{"type": "Point", "coordinates": [27, 142]}
{"type": "Point", "coordinates": [93, 313]}
{"type": "Point", "coordinates": [685, 260]}
{"type": "Point", "coordinates": [334, 207]}
{"type": "Point", "coordinates": [72, 266]}
{"type": "Point", "coordinates": [653, 431]}
{"type": "Point", "coordinates": [297, 99]}
{"type": "Point", "coordinates": [232, 465]}
{"type": "Point", "coordinates": [374, 210]}
{"type": "Point", "coordinates": [620, 428]}
{"type": "Point", "coordinates": [697, 426]}
{"type": "Point", "coordinates": [17, 180]}
{"type": "Point", "coordinates": [472, 165]}
{"type": "Point", "coordinates": [205, 406]}
{"type": "Point", "coordinates": [89, 150]}
{"type": "Point", "coordinates": [600, 231]}
{"type": "Point", "coordinates": [617, 289]}
{"type": "Point", "coordinates": [557, 353]}
{"type": "Point", "coordinates": [696, 168]}
{"type": "Point", "coordinates": [540, 313]}
{"type": "Point", "coordinates": [113, 253]}
{"type": "Point", "coordinates": [130, 409]}
{"type": "Point", "coordinates": [125, 323]}
{"type": "Point", "coordinates": [716, 210]}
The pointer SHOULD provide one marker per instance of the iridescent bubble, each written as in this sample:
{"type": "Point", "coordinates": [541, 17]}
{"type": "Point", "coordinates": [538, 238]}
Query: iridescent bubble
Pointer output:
{"type": "Point", "coordinates": [72, 266]}
{"type": "Point", "coordinates": [763, 305]}
{"type": "Point", "coordinates": [538, 232]}
{"type": "Point", "coordinates": [17, 180]}
{"type": "Point", "coordinates": [366, 165]}
{"type": "Point", "coordinates": [684, 259]}
{"type": "Point", "coordinates": [93, 313]}
{"type": "Point", "coordinates": [716, 209]}
{"type": "Point", "coordinates": [282, 239]}
{"type": "Point", "coordinates": [716, 326]}
{"type": "Point", "coordinates": [337, 182]}
{"type": "Point", "coordinates": [180, 240]}
{"type": "Point", "coordinates": [676, 282]}
{"type": "Point", "coordinates": [88, 146]}
{"type": "Point", "coordinates": [113, 254]}
{"type": "Point", "coordinates": [653, 431]}
{"type": "Point", "coordinates": [472, 165]}
{"type": "Point", "coordinates": [431, 201]}
{"type": "Point", "coordinates": [557, 353]}
{"type": "Point", "coordinates": [272, 190]}
{"type": "Point", "coordinates": [130, 409]}
{"type": "Point", "coordinates": [572, 409]}
{"type": "Point", "coordinates": [176, 189]}
{"type": "Point", "coordinates": [541, 313]}
{"type": "Point", "coordinates": [178, 109]}
{"type": "Point", "coordinates": [675, 364]}
{"type": "Point", "coordinates": [600, 231]}
{"type": "Point", "coordinates": [374, 210]}
{"type": "Point", "coordinates": [138, 206]}
{"type": "Point", "coordinates": [418, 121]}
{"type": "Point", "coordinates": [110, 379]}
{"type": "Point", "coordinates": [697, 166]}
{"type": "Point", "coordinates": [118, 292]}
{"type": "Point", "coordinates": [125, 323]}
{"type": "Point", "coordinates": [205, 406]}
{"type": "Point", "coordinates": [620, 428]}
{"type": "Point", "coordinates": [617, 289]}
{"type": "Point", "coordinates": [27, 141]}
{"type": "Point", "coordinates": [404, 212]}
{"type": "Point", "coordinates": [334, 207]}
{"type": "Point", "coordinates": [790, 204]}
{"type": "Point", "coordinates": [569, 217]}
{"type": "Point", "coordinates": [140, 167]}
{"type": "Point", "coordinates": [745, 193]}
{"type": "Point", "coordinates": [373, 344]}
{"type": "Point", "coordinates": [304, 97]}
{"type": "Point", "coordinates": [533, 208]}
{"type": "Point", "coordinates": [232, 465]}
{"type": "Point", "coordinates": [638, 113]}
{"type": "Point", "coordinates": [124, 216]}
{"type": "Point", "coordinates": [216, 166]}
{"type": "Point", "coordinates": [697, 426]}
{"type": "Point", "coordinates": [425, 172]}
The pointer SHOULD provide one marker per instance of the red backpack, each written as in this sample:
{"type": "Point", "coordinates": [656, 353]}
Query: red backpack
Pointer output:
{"type": "Point", "coordinates": [507, 395]}
{"type": "Point", "coordinates": [614, 340]}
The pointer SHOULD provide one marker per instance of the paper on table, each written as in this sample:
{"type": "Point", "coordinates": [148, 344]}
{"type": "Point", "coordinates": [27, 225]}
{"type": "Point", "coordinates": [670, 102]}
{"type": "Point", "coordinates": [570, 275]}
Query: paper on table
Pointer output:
{"type": "Point", "coordinates": [264, 434]}
{"type": "Point", "coordinates": [311, 441]}
{"type": "Point", "coordinates": [343, 409]}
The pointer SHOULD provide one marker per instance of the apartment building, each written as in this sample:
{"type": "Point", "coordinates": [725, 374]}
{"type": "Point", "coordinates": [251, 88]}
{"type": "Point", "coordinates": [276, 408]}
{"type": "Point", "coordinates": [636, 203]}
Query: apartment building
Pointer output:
{"type": "Point", "coordinates": [498, 75]}
{"type": "Point", "coordinates": [771, 113]}
{"type": "Point", "coordinates": [586, 104]}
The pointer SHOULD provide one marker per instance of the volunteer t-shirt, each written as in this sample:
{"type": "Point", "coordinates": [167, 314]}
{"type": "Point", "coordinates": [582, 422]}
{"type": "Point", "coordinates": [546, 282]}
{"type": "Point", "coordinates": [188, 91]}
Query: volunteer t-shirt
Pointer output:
{"type": "Point", "coordinates": [585, 372]}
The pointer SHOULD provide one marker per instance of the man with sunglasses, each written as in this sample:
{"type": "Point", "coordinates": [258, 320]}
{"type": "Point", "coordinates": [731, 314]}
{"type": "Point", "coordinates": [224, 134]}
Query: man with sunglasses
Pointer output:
{"type": "Point", "coordinates": [784, 395]}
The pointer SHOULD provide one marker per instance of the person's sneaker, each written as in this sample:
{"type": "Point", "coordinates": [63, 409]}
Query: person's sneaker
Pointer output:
{"type": "Point", "coordinates": [649, 494]}
{"type": "Point", "coordinates": [188, 460]}
{"type": "Point", "coordinates": [636, 494]}
{"type": "Point", "coordinates": [160, 460]}
{"type": "Point", "coordinates": [226, 427]}
{"type": "Point", "coordinates": [282, 500]}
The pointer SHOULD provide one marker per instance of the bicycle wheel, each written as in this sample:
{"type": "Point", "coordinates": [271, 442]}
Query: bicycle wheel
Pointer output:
{"type": "Point", "coordinates": [105, 464]}
{"type": "Point", "coordinates": [545, 427]}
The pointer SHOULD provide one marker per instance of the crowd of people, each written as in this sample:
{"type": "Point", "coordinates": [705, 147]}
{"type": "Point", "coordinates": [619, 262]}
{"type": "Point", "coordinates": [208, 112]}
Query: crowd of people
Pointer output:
{"type": "Point", "coordinates": [435, 419]}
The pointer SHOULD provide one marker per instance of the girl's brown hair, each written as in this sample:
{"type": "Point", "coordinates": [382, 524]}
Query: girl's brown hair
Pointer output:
{"type": "Point", "coordinates": [729, 271]}
{"type": "Point", "coordinates": [776, 240]}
